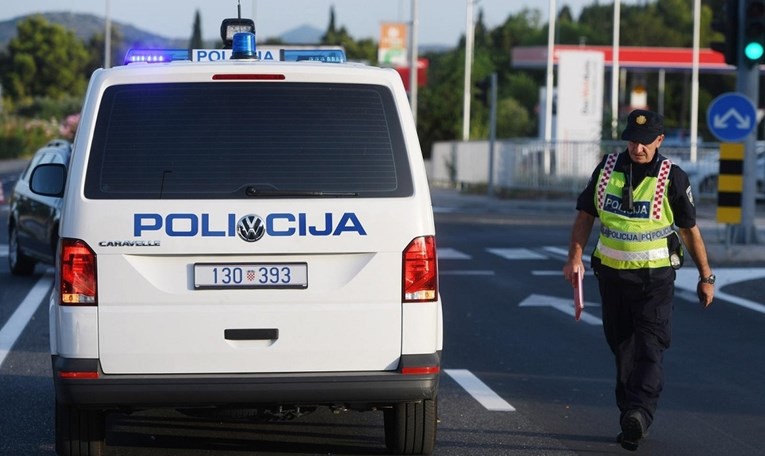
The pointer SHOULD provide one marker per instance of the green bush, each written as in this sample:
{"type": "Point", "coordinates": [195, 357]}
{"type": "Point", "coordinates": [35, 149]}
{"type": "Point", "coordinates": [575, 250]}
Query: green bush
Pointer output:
{"type": "Point", "coordinates": [21, 137]}
{"type": "Point", "coordinates": [47, 108]}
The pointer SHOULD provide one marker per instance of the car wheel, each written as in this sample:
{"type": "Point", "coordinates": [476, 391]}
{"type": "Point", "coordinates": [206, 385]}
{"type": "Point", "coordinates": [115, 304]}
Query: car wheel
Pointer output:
{"type": "Point", "coordinates": [410, 428]}
{"type": "Point", "coordinates": [708, 186]}
{"type": "Point", "coordinates": [79, 431]}
{"type": "Point", "coordinates": [19, 263]}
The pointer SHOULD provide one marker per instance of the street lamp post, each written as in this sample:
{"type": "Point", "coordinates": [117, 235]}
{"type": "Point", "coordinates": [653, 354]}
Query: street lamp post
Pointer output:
{"type": "Point", "coordinates": [413, 61]}
{"type": "Point", "coordinates": [108, 36]}
{"type": "Point", "coordinates": [468, 69]}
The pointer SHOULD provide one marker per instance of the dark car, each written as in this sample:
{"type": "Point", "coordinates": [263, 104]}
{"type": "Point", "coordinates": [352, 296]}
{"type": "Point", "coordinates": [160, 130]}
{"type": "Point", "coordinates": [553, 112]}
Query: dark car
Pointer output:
{"type": "Point", "coordinates": [33, 219]}
{"type": "Point", "coordinates": [703, 173]}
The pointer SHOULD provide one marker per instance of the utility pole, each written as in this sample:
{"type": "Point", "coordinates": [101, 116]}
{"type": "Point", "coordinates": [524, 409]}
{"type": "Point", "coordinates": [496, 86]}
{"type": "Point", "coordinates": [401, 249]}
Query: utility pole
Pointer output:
{"type": "Point", "coordinates": [492, 131]}
{"type": "Point", "coordinates": [549, 87]}
{"type": "Point", "coordinates": [468, 70]}
{"type": "Point", "coordinates": [413, 68]}
{"type": "Point", "coordinates": [108, 36]}
{"type": "Point", "coordinates": [751, 36]}
{"type": "Point", "coordinates": [748, 84]}
{"type": "Point", "coordinates": [615, 70]}
{"type": "Point", "coordinates": [742, 24]}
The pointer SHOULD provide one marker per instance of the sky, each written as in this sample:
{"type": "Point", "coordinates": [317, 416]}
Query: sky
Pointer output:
{"type": "Point", "coordinates": [440, 21]}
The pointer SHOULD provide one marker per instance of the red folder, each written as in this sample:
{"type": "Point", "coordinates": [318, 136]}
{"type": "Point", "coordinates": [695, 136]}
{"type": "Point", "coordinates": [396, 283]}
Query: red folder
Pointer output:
{"type": "Point", "coordinates": [578, 295]}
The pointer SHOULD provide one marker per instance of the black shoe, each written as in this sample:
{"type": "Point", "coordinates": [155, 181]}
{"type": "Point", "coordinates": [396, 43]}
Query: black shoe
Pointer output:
{"type": "Point", "coordinates": [620, 436]}
{"type": "Point", "coordinates": [633, 429]}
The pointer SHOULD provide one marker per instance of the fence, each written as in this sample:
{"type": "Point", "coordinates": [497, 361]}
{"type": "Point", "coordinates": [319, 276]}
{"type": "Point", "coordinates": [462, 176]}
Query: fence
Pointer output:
{"type": "Point", "coordinates": [537, 166]}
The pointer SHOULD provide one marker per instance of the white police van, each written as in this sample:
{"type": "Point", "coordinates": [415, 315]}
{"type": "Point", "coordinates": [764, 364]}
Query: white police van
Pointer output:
{"type": "Point", "coordinates": [245, 237]}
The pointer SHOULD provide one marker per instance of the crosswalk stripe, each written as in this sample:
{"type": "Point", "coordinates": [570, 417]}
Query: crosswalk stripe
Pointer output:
{"type": "Point", "coordinates": [471, 273]}
{"type": "Point", "coordinates": [517, 254]}
{"type": "Point", "coordinates": [555, 250]}
{"type": "Point", "coordinates": [445, 253]}
{"type": "Point", "coordinates": [448, 253]}
{"type": "Point", "coordinates": [478, 389]}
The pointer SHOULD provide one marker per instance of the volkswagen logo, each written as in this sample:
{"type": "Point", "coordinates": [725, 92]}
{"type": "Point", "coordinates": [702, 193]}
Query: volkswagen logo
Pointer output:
{"type": "Point", "coordinates": [250, 228]}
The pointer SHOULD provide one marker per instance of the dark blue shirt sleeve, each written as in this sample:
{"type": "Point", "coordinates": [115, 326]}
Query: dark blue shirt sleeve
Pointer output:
{"type": "Point", "coordinates": [586, 200]}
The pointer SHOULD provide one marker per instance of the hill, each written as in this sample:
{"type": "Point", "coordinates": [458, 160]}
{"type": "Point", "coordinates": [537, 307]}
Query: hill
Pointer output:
{"type": "Point", "coordinates": [87, 25]}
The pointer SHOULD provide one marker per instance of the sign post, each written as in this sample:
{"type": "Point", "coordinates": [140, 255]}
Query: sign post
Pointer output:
{"type": "Point", "coordinates": [732, 117]}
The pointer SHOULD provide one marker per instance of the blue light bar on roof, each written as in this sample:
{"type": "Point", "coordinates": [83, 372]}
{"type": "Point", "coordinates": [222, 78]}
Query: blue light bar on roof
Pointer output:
{"type": "Point", "coordinates": [156, 55]}
{"type": "Point", "coordinates": [243, 46]}
{"type": "Point", "coordinates": [313, 55]}
{"type": "Point", "coordinates": [289, 55]}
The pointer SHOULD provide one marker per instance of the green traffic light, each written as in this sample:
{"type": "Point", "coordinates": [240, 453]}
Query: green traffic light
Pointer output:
{"type": "Point", "coordinates": [754, 51]}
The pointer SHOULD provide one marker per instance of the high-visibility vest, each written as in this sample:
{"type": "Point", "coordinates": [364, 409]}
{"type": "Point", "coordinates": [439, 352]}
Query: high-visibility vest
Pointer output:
{"type": "Point", "coordinates": [636, 239]}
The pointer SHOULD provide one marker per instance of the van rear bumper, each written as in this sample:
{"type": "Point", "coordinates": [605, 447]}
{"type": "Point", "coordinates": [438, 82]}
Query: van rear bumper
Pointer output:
{"type": "Point", "coordinates": [177, 390]}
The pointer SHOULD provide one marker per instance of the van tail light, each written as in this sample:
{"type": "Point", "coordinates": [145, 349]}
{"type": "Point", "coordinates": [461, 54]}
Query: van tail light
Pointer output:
{"type": "Point", "coordinates": [420, 272]}
{"type": "Point", "coordinates": [421, 370]}
{"type": "Point", "coordinates": [78, 375]}
{"type": "Point", "coordinates": [78, 273]}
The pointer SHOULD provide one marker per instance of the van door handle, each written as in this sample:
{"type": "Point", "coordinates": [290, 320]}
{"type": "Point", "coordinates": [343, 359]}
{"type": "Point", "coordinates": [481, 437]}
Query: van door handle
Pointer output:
{"type": "Point", "coordinates": [251, 334]}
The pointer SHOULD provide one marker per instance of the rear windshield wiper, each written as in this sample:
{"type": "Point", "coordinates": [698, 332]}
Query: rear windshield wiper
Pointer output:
{"type": "Point", "coordinates": [275, 193]}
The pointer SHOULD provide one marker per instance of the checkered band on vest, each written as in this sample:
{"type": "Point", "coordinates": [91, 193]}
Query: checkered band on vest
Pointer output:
{"type": "Point", "coordinates": [661, 188]}
{"type": "Point", "coordinates": [603, 183]}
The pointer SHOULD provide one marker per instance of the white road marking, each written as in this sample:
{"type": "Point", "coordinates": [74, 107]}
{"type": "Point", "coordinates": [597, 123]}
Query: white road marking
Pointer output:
{"type": "Point", "coordinates": [688, 278]}
{"type": "Point", "coordinates": [3, 250]}
{"type": "Point", "coordinates": [451, 254]}
{"type": "Point", "coordinates": [466, 272]}
{"type": "Point", "coordinates": [564, 305]}
{"type": "Point", "coordinates": [557, 273]}
{"type": "Point", "coordinates": [558, 251]}
{"type": "Point", "coordinates": [18, 321]}
{"type": "Point", "coordinates": [517, 254]}
{"type": "Point", "coordinates": [478, 389]}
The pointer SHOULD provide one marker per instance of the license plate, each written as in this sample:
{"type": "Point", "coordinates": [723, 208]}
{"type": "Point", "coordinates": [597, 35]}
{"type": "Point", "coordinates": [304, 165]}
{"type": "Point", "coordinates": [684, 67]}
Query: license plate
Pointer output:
{"type": "Point", "coordinates": [250, 275]}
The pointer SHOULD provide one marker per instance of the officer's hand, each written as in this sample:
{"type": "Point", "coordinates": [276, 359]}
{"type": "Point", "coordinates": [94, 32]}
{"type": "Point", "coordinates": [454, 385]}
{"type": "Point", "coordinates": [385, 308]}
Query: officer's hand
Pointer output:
{"type": "Point", "coordinates": [705, 292]}
{"type": "Point", "coordinates": [569, 270]}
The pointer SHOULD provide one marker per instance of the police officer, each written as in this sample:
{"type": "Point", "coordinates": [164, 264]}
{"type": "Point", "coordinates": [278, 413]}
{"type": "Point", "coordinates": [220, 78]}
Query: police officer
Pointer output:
{"type": "Point", "coordinates": [639, 196]}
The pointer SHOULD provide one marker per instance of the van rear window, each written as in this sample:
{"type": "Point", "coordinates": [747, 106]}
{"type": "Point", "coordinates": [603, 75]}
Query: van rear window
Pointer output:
{"type": "Point", "coordinates": [240, 139]}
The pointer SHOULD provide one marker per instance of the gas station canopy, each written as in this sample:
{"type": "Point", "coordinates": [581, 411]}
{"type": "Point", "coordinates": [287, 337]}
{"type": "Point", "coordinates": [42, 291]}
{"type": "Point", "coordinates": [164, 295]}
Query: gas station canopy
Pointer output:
{"type": "Point", "coordinates": [630, 57]}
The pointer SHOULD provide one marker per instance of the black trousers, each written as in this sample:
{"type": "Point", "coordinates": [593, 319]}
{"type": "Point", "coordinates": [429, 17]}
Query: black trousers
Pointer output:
{"type": "Point", "coordinates": [637, 321]}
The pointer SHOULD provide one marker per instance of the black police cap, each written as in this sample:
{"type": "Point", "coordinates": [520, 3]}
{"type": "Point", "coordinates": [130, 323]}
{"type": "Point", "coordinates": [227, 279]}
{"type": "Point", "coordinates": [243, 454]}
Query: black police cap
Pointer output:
{"type": "Point", "coordinates": [643, 126]}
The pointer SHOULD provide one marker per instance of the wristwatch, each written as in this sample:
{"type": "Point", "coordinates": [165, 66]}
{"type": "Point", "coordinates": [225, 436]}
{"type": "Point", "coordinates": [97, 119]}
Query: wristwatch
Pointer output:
{"type": "Point", "coordinates": [709, 279]}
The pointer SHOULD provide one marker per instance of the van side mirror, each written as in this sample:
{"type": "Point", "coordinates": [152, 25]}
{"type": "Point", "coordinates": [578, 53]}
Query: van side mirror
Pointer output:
{"type": "Point", "coordinates": [48, 179]}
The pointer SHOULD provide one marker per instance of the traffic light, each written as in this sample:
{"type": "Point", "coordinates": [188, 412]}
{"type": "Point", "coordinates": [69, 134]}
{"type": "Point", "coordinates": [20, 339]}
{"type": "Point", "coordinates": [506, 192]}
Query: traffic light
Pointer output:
{"type": "Point", "coordinates": [754, 32]}
{"type": "Point", "coordinates": [727, 24]}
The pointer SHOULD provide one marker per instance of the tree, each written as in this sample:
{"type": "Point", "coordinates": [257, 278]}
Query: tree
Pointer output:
{"type": "Point", "coordinates": [44, 60]}
{"type": "Point", "coordinates": [96, 47]}
{"type": "Point", "coordinates": [196, 41]}
{"type": "Point", "coordinates": [331, 26]}
{"type": "Point", "coordinates": [480, 32]}
{"type": "Point", "coordinates": [363, 50]}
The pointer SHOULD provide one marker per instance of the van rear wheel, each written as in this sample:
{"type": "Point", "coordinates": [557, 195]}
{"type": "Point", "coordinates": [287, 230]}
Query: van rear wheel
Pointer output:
{"type": "Point", "coordinates": [410, 428]}
{"type": "Point", "coordinates": [79, 432]}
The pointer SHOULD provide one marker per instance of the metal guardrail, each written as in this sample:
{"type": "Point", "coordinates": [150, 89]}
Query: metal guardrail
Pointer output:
{"type": "Point", "coordinates": [527, 165]}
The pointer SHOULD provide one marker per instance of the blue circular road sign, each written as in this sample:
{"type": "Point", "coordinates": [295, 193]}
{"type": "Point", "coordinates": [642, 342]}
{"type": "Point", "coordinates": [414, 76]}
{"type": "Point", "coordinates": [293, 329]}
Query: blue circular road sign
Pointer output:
{"type": "Point", "coordinates": [731, 117]}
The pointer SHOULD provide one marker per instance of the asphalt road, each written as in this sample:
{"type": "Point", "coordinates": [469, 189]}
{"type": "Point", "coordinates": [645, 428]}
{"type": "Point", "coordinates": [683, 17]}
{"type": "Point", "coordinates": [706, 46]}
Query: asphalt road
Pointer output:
{"type": "Point", "coordinates": [521, 376]}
